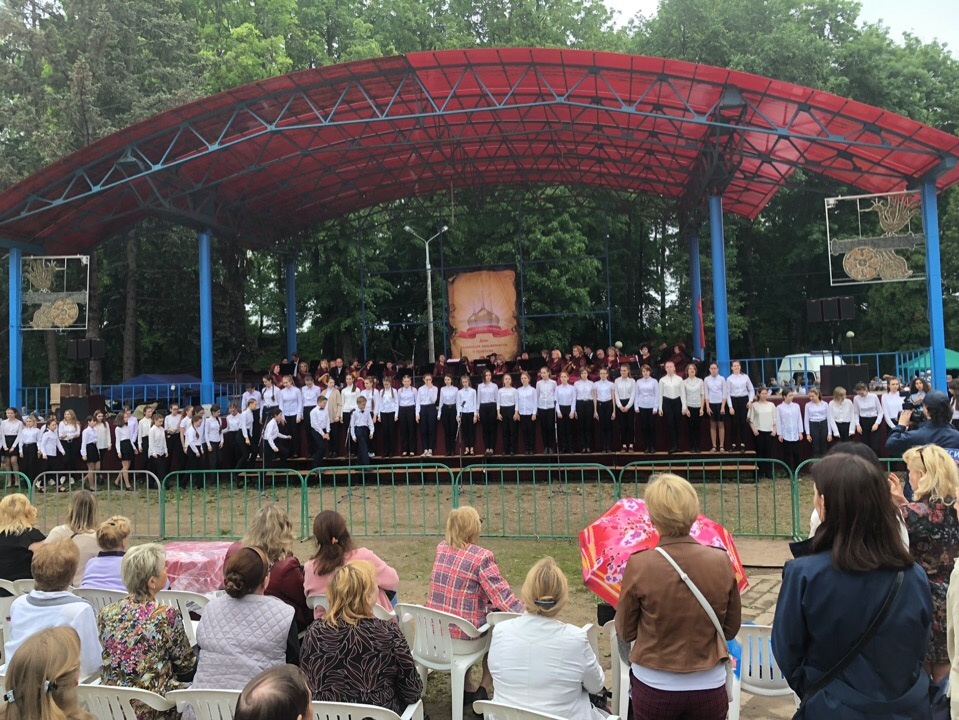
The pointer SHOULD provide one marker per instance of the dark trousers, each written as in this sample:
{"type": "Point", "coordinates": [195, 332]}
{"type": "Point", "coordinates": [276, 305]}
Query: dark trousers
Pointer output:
{"type": "Point", "coordinates": [428, 427]}
{"type": "Point", "coordinates": [254, 448]}
{"type": "Point", "coordinates": [739, 428]}
{"type": "Point", "coordinates": [509, 430]}
{"type": "Point", "coordinates": [362, 445]}
{"type": "Point", "coordinates": [647, 430]}
{"type": "Point", "coordinates": [870, 437]}
{"type": "Point", "coordinates": [448, 421]}
{"type": "Point", "coordinates": [214, 457]}
{"type": "Point", "coordinates": [564, 428]}
{"type": "Point", "coordinates": [468, 430]}
{"type": "Point", "coordinates": [819, 431]}
{"type": "Point", "coordinates": [319, 448]}
{"type": "Point", "coordinates": [843, 429]}
{"type": "Point", "coordinates": [159, 466]}
{"type": "Point", "coordinates": [174, 451]}
{"type": "Point", "coordinates": [764, 449]}
{"type": "Point", "coordinates": [672, 411]}
{"type": "Point", "coordinates": [487, 413]}
{"type": "Point", "coordinates": [546, 417]}
{"type": "Point", "coordinates": [336, 428]}
{"type": "Point", "coordinates": [694, 425]}
{"type": "Point", "coordinates": [293, 428]}
{"type": "Point", "coordinates": [529, 433]}
{"type": "Point", "coordinates": [71, 454]}
{"type": "Point", "coordinates": [30, 462]}
{"type": "Point", "coordinates": [584, 415]}
{"type": "Point", "coordinates": [388, 433]}
{"type": "Point", "coordinates": [349, 447]}
{"type": "Point", "coordinates": [241, 451]}
{"type": "Point", "coordinates": [275, 458]}
{"type": "Point", "coordinates": [649, 702]}
{"type": "Point", "coordinates": [408, 429]}
{"type": "Point", "coordinates": [627, 427]}
{"type": "Point", "coordinates": [605, 410]}
{"type": "Point", "coordinates": [194, 463]}
{"type": "Point", "coordinates": [791, 453]}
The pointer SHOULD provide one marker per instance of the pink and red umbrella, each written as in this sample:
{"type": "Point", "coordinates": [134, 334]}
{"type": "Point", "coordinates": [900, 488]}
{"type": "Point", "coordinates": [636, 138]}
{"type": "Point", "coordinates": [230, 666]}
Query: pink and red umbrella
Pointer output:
{"type": "Point", "coordinates": [624, 529]}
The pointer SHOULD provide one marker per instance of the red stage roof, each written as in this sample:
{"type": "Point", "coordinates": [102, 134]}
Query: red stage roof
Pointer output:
{"type": "Point", "coordinates": [268, 159]}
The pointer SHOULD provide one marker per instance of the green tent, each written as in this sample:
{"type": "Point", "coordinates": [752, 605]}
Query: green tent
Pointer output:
{"type": "Point", "coordinates": [923, 363]}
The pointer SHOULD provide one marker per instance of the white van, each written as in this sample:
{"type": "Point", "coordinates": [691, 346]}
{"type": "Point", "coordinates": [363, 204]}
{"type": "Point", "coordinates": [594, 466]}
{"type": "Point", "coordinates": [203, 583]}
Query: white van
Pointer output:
{"type": "Point", "coordinates": [803, 368]}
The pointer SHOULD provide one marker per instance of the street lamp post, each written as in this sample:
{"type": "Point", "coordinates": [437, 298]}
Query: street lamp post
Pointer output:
{"type": "Point", "coordinates": [429, 285]}
{"type": "Point", "coordinates": [850, 335]}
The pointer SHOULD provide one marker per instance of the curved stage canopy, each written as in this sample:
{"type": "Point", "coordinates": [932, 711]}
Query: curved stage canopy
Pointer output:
{"type": "Point", "coordinates": [268, 159]}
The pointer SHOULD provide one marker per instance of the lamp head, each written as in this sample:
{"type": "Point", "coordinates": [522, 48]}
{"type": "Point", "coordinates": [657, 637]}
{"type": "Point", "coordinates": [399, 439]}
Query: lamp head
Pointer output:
{"type": "Point", "coordinates": [408, 228]}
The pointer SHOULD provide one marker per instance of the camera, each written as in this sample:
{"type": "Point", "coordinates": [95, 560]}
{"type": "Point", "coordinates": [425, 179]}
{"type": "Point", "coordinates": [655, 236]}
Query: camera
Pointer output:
{"type": "Point", "coordinates": [916, 415]}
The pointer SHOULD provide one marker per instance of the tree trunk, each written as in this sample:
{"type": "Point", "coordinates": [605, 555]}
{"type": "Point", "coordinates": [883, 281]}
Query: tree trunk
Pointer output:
{"type": "Point", "coordinates": [93, 318]}
{"type": "Point", "coordinates": [53, 356]}
{"type": "Point", "coordinates": [130, 311]}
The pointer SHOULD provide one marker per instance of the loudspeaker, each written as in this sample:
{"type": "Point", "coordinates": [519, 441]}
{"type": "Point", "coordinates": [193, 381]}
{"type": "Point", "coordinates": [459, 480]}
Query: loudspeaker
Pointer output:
{"type": "Point", "coordinates": [98, 349]}
{"type": "Point", "coordinates": [845, 376]}
{"type": "Point", "coordinates": [814, 311]}
{"type": "Point", "coordinates": [847, 308]}
{"type": "Point", "coordinates": [82, 406]}
{"type": "Point", "coordinates": [830, 309]}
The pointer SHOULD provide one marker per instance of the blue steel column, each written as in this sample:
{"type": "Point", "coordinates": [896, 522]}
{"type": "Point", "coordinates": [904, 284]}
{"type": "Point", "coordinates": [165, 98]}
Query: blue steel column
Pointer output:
{"type": "Point", "coordinates": [696, 293]}
{"type": "Point", "coordinates": [16, 338]}
{"type": "Point", "coordinates": [290, 272]}
{"type": "Point", "coordinates": [937, 331]}
{"type": "Point", "coordinates": [718, 254]}
{"type": "Point", "coordinates": [205, 239]}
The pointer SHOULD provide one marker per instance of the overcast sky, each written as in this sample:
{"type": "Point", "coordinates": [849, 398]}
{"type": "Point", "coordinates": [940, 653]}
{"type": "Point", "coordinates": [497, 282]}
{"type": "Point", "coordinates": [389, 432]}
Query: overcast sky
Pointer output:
{"type": "Point", "coordinates": [928, 19]}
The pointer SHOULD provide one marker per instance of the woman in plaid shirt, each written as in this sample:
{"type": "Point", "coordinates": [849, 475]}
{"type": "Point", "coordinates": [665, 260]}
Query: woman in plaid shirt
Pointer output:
{"type": "Point", "coordinates": [465, 581]}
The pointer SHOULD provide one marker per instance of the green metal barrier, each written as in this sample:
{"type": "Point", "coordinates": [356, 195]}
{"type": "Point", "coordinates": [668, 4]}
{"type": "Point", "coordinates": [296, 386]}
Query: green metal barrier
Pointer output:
{"type": "Point", "coordinates": [386, 500]}
{"type": "Point", "coordinates": [536, 500]}
{"type": "Point", "coordinates": [21, 482]}
{"type": "Point", "coordinates": [217, 504]}
{"type": "Point", "coordinates": [731, 491]}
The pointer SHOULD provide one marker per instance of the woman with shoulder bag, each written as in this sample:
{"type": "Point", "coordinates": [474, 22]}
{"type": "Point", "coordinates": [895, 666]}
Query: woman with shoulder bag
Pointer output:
{"type": "Point", "coordinates": [853, 619]}
{"type": "Point", "coordinates": [679, 660]}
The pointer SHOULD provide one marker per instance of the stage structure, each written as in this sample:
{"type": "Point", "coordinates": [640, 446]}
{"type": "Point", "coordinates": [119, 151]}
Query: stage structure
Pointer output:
{"type": "Point", "coordinates": [259, 163]}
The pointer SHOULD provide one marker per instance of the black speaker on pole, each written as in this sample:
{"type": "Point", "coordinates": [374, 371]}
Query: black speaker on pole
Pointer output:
{"type": "Point", "coordinates": [98, 349]}
{"type": "Point", "coordinates": [846, 376]}
{"type": "Point", "coordinates": [830, 309]}
{"type": "Point", "coordinates": [82, 406]}
{"type": "Point", "coordinates": [814, 311]}
{"type": "Point", "coordinates": [847, 308]}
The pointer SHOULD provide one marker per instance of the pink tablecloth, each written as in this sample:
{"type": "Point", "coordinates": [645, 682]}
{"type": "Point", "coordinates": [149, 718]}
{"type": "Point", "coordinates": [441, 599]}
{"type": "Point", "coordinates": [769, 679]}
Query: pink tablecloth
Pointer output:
{"type": "Point", "coordinates": [196, 566]}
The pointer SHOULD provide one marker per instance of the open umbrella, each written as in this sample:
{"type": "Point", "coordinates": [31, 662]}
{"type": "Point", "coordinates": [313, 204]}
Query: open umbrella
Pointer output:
{"type": "Point", "coordinates": [624, 529]}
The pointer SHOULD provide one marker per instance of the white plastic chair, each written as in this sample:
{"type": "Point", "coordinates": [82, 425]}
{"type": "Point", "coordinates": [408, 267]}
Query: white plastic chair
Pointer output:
{"type": "Point", "coordinates": [23, 587]}
{"type": "Point", "coordinates": [759, 674]}
{"type": "Point", "coordinates": [206, 704]}
{"type": "Point", "coordinates": [432, 646]}
{"type": "Point", "coordinates": [355, 711]}
{"type": "Point", "coordinates": [508, 712]}
{"type": "Point", "coordinates": [5, 603]}
{"type": "Point", "coordinates": [99, 597]}
{"type": "Point", "coordinates": [10, 586]}
{"type": "Point", "coordinates": [619, 673]}
{"type": "Point", "coordinates": [108, 702]}
{"type": "Point", "coordinates": [182, 600]}
{"type": "Point", "coordinates": [320, 600]}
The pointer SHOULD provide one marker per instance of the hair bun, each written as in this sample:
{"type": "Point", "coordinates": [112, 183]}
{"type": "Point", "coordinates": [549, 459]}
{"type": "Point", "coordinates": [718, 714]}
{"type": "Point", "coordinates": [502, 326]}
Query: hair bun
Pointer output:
{"type": "Point", "coordinates": [235, 585]}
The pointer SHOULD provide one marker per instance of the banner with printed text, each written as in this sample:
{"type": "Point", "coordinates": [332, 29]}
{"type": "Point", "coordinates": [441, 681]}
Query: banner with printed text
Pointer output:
{"type": "Point", "coordinates": [483, 314]}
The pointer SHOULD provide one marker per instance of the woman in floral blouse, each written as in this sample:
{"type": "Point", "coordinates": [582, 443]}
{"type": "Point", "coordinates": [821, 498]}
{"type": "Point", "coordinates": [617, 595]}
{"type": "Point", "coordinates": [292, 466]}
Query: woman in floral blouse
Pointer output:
{"type": "Point", "coordinates": [144, 643]}
{"type": "Point", "coordinates": [933, 535]}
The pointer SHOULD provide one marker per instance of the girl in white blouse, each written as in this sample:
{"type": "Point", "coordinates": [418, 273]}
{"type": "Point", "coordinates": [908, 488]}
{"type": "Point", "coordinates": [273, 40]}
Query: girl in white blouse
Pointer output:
{"type": "Point", "coordinates": [842, 412]}
{"type": "Point", "coordinates": [818, 423]}
{"type": "Point", "coordinates": [868, 414]}
{"type": "Point", "coordinates": [647, 405]}
{"type": "Point", "coordinates": [693, 390]}
{"type": "Point", "coordinates": [790, 425]}
{"type": "Point", "coordinates": [9, 432]}
{"type": "Point", "coordinates": [762, 421]}
{"type": "Point", "coordinates": [892, 404]}
{"type": "Point", "coordinates": [526, 412]}
{"type": "Point", "coordinates": [467, 414]}
{"type": "Point", "coordinates": [740, 391]}
{"type": "Point", "coordinates": [506, 413]}
{"type": "Point", "coordinates": [448, 413]}
{"type": "Point", "coordinates": [716, 398]}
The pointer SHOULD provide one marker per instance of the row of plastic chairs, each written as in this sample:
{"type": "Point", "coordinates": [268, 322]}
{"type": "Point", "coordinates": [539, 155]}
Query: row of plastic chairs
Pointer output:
{"type": "Point", "coordinates": [758, 672]}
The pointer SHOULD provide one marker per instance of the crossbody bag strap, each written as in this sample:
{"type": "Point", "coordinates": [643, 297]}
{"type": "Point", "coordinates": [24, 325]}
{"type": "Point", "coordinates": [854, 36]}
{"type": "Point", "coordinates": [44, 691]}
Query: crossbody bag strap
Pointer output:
{"type": "Point", "coordinates": [695, 590]}
{"type": "Point", "coordinates": [837, 669]}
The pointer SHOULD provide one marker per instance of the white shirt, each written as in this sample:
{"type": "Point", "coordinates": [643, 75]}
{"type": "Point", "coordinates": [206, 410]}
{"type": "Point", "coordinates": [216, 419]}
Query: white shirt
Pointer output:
{"type": "Point", "coordinates": [349, 393]}
{"type": "Point", "coordinates": [145, 424]}
{"type": "Point", "coordinates": [291, 402]}
{"type": "Point", "coordinates": [819, 412]}
{"type": "Point", "coordinates": [740, 385]}
{"type": "Point", "coordinates": [842, 412]}
{"type": "Point", "coordinates": [716, 391]}
{"type": "Point", "coordinates": [271, 397]}
{"type": "Point", "coordinates": [251, 395]}
{"type": "Point", "coordinates": [545, 394]}
{"type": "Point", "coordinates": [891, 408]}
{"type": "Point", "coordinates": [693, 392]}
{"type": "Point", "coordinates": [604, 390]}
{"type": "Point", "coordinates": [385, 401]}
{"type": "Point", "coordinates": [867, 407]}
{"type": "Point", "coordinates": [506, 398]}
{"type": "Point", "coordinates": [234, 422]}
{"type": "Point", "coordinates": [406, 396]}
{"type": "Point", "coordinates": [425, 396]}
{"type": "Point", "coordinates": [671, 388]}
{"type": "Point", "coordinates": [49, 445]}
{"type": "Point", "coordinates": [271, 434]}
{"type": "Point", "coordinates": [157, 438]}
{"type": "Point", "coordinates": [647, 394]}
{"type": "Point", "coordinates": [565, 397]}
{"type": "Point", "coordinates": [246, 423]}
{"type": "Point", "coordinates": [526, 400]}
{"type": "Point", "coordinates": [88, 437]}
{"type": "Point", "coordinates": [9, 427]}
{"type": "Point", "coordinates": [68, 431]}
{"type": "Point", "coordinates": [448, 395]}
{"type": "Point", "coordinates": [545, 665]}
{"type": "Point", "coordinates": [213, 432]}
{"type": "Point", "coordinates": [309, 394]}
{"type": "Point", "coordinates": [789, 421]}
{"type": "Point", "coordinates": [487, 392]}
{"type": "Point", "coordinates": [466, 403]}
{"type": "Point", "coordinates": [360, 418]}
{"type": "Point", "coordinates": [625, 392]}
{"type": "Point", "coordinates": [171, 423]}
{"type": "Point", "coordinates": [585, 390]}
{"type": "Point", "coordinates": [320, 420]}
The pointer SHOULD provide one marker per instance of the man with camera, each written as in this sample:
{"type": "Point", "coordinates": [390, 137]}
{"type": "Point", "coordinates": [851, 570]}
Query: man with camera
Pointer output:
{"type": "Point", "coordinates": [932, 427]}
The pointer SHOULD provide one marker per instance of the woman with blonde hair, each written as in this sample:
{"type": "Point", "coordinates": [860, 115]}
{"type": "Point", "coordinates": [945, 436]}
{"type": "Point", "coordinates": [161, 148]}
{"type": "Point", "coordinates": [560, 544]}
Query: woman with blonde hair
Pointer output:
{"type": "Point", "coordinates": [678, 660]}
{"type": "Point", "coordinates": [933, 527]}
{"type": "Point", "coordinates": [271, 531]}
{"type": "Point", "coordinates": [19, 537]}
{"type": "Point", "coordinates": [103, 571]}
{"type": "Point", "coordinates": [466, 581]}
{"type": "Point", "coordinates": [41, 681]}
{"type": "Point", "coordinates": [541, 663]}
{"type": "Point", "coordinates": [80, 528]}
{"type": "Point", "coordinates": [348, 638]}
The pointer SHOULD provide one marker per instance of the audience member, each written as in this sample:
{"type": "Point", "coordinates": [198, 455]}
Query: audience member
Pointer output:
{"type": "Point", "coordinates": [50, 604]}
{"type": "Point", "coordinates": [41, 683]}
{"type": "Point", "coordinates": [334, 548]}
{"type": "Point", "coordinates": [245, 631]}
{"type": "Point", "coordinates": [466, 581]}
{"type": "Point", "coordinates": [80, 528]}
{"type": "Point", "coordinates": [541, 663]}
{"type": "Point", "coordinates": [280, 693]}
{"type": "Point", "coordinates": [103, 571]}
{"type": "Point", "coordinates": [678, 660]}
{"type": "Point", "coordinates": [349, 638]}
{"type": "Point", "coordinates": [937, 429]}
{"type": "Point", "coordinates": [933, 535]}
{"type": "Point", "coordinates": [856, 554]}
{"type": "Point", "coordinates": [19, 537]}
{"type": "Point", "coordinates": [272, 531]}
{"type": "Point", "coordinates": [144, 643]}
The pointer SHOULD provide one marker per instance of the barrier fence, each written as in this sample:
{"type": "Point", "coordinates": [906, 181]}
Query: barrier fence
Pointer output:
{"type": "Point", "coordinates": [538, 500]}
